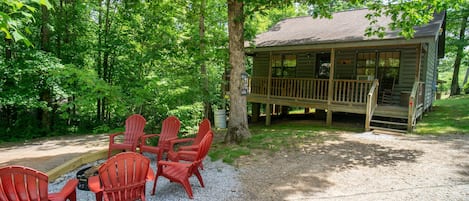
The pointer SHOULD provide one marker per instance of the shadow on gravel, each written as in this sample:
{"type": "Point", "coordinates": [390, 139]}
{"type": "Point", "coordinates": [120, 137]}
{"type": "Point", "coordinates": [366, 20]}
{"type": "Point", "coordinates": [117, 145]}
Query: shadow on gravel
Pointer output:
{"type": "Point", "coordinates": [305, 171]}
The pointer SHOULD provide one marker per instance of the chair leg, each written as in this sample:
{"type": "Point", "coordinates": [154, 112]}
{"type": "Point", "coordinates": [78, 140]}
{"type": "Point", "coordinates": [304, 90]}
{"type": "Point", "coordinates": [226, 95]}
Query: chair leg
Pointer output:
{"type": "Point", "coordinates": [199, 177]}
{"type": "Point", "coordinates": [188, 188]}
{"type": "Point", "coordinates": [154, 184]}
{"type": "Point", "coordinates": [72, 196]}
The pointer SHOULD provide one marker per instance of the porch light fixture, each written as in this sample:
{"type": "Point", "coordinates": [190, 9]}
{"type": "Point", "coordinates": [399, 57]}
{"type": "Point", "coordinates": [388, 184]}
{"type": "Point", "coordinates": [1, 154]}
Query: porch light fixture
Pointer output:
{"type": "Point", "coordinates": [244, 84]}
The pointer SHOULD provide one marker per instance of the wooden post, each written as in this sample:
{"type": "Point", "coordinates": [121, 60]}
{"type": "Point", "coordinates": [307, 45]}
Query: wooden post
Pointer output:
{"type": "Point", "coordinates": [268, 111]}
{"type": "Point", "coordinates": [330, 88]}
{"type": "Point", "coordinates": [256, 111]}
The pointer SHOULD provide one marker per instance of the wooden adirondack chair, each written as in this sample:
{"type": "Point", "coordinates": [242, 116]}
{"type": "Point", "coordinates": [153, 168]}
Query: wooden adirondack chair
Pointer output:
{"type": "Point", "coordinates": [174, 155]}
{"type": "Point", "coordinates": [134, 126]}
{"type": "Point", "coordinates": [180, 172]}
{"type": "Point", "coordinates": [169, 131]}
{"type": "Point", "coordinates": [19, 183]}
{"type": "Point", "coordinates": [122, 178]}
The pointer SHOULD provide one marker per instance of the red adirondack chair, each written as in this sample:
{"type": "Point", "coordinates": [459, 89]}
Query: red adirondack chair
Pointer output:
{"type": "Point", "coordinates": [122, 178]}
{"type": "Point", "coordinates": [169, 131]}
{"type": "Point", "coordinates": [134, 126]}
{"type": "Point", "coordinates": [19, 183]}
{"type": "Point", "coordinates": [174, 155]}
{"type": "Point", "coordinates": [180, 172]}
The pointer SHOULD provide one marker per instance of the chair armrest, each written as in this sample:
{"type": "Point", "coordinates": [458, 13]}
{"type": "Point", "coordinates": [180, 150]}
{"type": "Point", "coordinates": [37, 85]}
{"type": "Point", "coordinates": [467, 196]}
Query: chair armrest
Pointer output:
{"type": "Point", "coordinates": [176, 141]}
{"type": "Point", "coordinates": [189, 148]}
{"type": "Point", "coordinates": [171, 163]}
{"type": "Point", "coordinates": [112, 136]}
{"type": "Point", "coordinates": [143, 138]}
{"type": "Point", "coordinates": [67, 190]}
{"type": "Point", "coordinates": [188, 152]}
{"type": "Point", "coordinates": [94, 184]}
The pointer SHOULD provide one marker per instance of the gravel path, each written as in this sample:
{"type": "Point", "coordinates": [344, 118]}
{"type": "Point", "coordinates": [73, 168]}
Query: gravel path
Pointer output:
{"type": "Point", "coordinates": [221, 183]}
{"type": "Point", "coordinates": [363, 167]}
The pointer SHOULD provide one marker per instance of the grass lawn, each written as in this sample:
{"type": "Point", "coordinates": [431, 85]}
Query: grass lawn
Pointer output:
{"type": "Point", "coordinates": [449, 116]}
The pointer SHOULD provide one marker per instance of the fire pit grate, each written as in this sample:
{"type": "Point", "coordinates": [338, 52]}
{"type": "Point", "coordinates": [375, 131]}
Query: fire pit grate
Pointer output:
{"type": "Point", "coordinates": [84, 174]}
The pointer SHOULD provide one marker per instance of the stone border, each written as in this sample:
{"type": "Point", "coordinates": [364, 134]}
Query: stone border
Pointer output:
{"type": "Point", "coordinates": [76, 163]}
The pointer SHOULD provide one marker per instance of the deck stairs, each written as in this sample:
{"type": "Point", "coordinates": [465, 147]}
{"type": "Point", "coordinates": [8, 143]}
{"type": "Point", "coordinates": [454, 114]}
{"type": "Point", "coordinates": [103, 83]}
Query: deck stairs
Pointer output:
{"type": "Point", "coordinates": [390, 118]}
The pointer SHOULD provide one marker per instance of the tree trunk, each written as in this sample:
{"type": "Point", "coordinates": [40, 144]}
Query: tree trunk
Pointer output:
{"type": "Point", "coordinates": [455, 90]}
{"type": "Point", "coordinates": [203, 67]}
{"type": "Point", "coordinates": [238, 124]}
{"type": "Point", "coordinates": [45, 94]}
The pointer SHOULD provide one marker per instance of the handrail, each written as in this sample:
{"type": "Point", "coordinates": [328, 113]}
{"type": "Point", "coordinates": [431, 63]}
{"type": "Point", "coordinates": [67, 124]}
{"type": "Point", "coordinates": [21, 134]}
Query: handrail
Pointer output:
{"type": "Point", "coordinates": [371, 103]}
{"type": "Point", "coordinates": [413, 101]}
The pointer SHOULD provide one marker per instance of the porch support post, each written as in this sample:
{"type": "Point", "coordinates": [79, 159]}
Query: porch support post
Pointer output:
{"type": "Point", "coordinates": [330, 88]}
{"type": "Point", "coordinates": [268, 111]}
{"type": "Point", "coordinates": [256, 111]}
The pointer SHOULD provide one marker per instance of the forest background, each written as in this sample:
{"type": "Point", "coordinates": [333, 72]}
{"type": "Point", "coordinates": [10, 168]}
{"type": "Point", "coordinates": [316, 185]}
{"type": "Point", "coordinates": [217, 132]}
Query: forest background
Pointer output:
{"type": "Point", "coordinates": [71, 66]}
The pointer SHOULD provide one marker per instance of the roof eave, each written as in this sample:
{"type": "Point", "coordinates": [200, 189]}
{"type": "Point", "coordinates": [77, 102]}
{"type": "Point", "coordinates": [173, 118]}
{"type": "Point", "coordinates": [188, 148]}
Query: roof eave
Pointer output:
{"type": "Point", "coordinates": [348, 44]}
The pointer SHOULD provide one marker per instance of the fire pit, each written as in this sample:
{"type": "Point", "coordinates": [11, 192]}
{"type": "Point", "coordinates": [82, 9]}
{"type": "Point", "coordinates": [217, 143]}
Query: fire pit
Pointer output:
{"type": "Point", "coordinates": [84, 174]}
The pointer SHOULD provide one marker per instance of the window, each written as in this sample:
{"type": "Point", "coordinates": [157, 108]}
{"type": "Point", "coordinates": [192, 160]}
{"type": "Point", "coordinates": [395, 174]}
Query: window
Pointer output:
{"type": "Point", "coordinates": [386, 69]}
{"type": "Point", "coordinates": [366, 64]}
{"type": "Point", "coordinates": [388, 66]}
{"type": "Point", "coordinates": [284, 65]}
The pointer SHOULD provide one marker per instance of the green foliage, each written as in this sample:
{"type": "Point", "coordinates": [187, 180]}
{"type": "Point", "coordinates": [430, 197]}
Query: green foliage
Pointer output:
{"type": "Point", "coordinates": [15, 16]}
{"type": "Point", "coordinates": [449, 116]}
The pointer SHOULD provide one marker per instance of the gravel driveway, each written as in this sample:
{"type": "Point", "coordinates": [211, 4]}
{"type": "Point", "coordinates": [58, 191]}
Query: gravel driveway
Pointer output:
{"type": "Point", "coordinates": [363, 166]}
{"type": "Point", "coordinates": [350, 166]}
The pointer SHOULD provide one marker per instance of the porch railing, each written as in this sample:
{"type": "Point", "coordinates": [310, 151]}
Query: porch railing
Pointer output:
{"type": "Point", "coordinates": [344, 91]}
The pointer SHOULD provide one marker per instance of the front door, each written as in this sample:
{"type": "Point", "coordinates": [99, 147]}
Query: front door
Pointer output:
{"type": "Point", "coordinates": [323, 64]}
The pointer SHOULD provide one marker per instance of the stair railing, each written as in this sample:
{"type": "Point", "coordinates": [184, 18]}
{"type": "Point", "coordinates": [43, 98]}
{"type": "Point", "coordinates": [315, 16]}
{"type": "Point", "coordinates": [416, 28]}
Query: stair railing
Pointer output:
{"type": "Point", "coordinates": [371, 103]}
{"type": "Point", "coordinates": [413, 104]}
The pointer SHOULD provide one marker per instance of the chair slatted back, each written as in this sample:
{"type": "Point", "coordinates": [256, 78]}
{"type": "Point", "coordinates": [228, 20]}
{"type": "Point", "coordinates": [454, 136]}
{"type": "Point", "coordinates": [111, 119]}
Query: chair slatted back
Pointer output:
{"type": "Point", "coordinates": [134, 126]}
{"type": "Point", "coordinates": [204, 127]}
{"type": "Point", "coordinates": [202, 152]}
{"type": "Point", "coordinates": [169, 130]}
{"type": "Point", "coordinates": [123, 177]}
{"type": "Point", "coordinates": [18, 183]}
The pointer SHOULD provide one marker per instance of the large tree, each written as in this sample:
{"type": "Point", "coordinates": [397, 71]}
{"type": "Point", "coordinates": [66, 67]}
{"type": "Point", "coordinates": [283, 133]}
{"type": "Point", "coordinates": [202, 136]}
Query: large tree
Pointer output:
{"type": "Point", "coordinates": [460, 20]}
{"type": "Point", "coordinates": [405, 15]}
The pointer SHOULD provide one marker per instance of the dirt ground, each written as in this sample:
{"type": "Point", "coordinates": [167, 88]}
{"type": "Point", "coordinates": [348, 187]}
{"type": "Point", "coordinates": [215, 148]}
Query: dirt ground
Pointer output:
{"type": "Point", "coordinates": [362, 166]}
{"type": "Point", "coordinates": [351, 166]}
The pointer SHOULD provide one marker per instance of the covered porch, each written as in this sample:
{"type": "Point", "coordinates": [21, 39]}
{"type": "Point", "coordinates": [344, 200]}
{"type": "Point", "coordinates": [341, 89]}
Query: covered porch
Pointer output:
{"type": "Point", "coordinates": [335, 95]}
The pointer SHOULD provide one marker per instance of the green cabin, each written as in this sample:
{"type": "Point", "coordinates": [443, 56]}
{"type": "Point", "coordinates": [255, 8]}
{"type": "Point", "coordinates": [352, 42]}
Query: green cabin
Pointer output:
{"type": "Point", "coordinates": [330, 65]}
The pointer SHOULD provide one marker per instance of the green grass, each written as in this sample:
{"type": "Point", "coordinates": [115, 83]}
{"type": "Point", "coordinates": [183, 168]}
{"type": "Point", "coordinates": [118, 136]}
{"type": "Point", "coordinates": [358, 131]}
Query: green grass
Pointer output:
{"type": "Point", "coordinates": [449, 116]}
{"type": "Point", "coordinates": [274, 138]}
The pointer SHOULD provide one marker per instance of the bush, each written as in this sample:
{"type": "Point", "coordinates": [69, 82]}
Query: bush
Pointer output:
{"type": "Point", "coordinates": [466, 88]}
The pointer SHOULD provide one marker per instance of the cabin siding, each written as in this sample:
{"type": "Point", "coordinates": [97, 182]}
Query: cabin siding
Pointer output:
{"type": "Point", "coordinates": [431, 64]}
{"type": "Point", "coordinates": [305, 65]}
{"type": "Point", "coordinates": [261, 64]}
{"type": "Point", "coordinates": [345, 64]}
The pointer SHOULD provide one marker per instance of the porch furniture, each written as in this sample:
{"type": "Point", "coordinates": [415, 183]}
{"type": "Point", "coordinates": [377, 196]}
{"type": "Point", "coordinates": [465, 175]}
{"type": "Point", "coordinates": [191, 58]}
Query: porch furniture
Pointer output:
{"type": "Point", "coordinates": [122, 177]}
{"type": "Point", "coordinates": [19, 183]}
{"type": "Point", "coordinates": [169, 131]}
{"type": "Point", "coordinates": [387, 90]}
{"type": "Point", "coordinates": [176, 155]}
{"type": "Point", "coordinates": [181, 172]}
{"type": "Point", "coordinates": [134, 126]}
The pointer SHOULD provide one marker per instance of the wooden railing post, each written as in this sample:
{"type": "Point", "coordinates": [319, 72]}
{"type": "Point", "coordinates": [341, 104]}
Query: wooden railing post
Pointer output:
{"type": "Point", "coordinates": [330, 88]}
{"type": "Point", "coordinates": [413, 102]}
{"type": "Point", "coordinates": [371, 103]}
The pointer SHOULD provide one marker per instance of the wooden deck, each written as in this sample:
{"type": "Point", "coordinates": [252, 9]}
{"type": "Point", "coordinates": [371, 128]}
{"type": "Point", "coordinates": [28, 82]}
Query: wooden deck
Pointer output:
{"type": "Point", "coordinates": [394, 111]}
{"type": "Point", "coordinates": [333, 95]}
